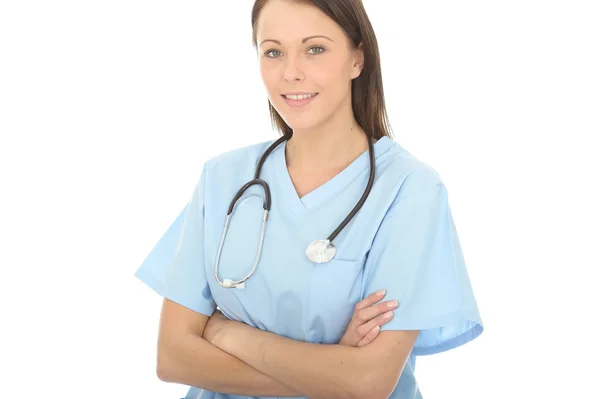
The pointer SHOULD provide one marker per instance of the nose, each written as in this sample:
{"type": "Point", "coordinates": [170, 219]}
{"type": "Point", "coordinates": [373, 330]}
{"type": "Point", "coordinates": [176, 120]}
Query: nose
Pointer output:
{"type": "Point", "coordinates": [293, 71]}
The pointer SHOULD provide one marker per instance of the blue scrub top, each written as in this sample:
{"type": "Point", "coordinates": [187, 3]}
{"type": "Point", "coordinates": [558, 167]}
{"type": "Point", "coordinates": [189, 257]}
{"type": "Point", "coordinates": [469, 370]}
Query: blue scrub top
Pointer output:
{"type": "Point", "coordinates": [403, 239]}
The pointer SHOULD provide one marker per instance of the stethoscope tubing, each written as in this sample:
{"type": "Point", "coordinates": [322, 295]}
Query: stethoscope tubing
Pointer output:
{"type": "Point", "coordinates": [267, 207]}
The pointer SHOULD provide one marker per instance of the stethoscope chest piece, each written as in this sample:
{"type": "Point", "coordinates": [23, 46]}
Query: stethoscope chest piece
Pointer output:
{"type": "Point", "coordinates": [320, 251]}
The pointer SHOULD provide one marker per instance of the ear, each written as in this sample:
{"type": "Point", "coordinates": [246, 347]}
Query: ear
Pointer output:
{"type": "Point", "coordinates": [359, 60]}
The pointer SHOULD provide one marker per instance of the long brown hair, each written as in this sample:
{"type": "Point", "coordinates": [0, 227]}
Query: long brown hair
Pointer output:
{"type": "Point", "coordinates": [368, 103]}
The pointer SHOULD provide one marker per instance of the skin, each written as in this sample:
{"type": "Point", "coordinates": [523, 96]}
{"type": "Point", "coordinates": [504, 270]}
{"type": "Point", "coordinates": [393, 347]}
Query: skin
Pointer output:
{"type": "Point", "coordinates": [231, 357]}
{"type": "Point", "coordinates": [327, 137]}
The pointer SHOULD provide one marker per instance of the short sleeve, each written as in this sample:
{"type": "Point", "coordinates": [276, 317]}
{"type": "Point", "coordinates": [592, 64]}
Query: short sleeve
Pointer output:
{"type": "Point", "coordinates": [416, 256]}
{"type": "Point", "coordinates": [175, 267]}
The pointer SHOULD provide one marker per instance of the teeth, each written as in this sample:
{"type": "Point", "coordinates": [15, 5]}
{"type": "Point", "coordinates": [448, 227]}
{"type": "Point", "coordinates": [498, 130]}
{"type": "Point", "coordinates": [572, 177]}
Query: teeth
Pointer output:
{"type": "Point", "coordinates": [302, 97]}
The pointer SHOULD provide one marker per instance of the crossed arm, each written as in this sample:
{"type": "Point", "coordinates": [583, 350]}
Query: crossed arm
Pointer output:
{"type": "Point", "coordinates": [232, 357]}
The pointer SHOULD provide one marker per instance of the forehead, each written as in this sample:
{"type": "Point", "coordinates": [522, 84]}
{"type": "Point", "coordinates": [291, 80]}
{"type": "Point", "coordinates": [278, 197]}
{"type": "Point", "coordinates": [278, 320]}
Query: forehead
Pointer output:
{"type": "Point", "coordinates": [289, 21]}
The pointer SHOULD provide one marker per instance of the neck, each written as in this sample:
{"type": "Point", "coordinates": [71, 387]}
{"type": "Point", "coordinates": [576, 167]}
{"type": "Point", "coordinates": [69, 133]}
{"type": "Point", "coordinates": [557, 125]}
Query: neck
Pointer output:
{"type": "Point", "coordinates": [326, 147]}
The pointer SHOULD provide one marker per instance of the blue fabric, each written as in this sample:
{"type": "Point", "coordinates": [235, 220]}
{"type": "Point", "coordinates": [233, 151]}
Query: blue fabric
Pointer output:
{"type": "Point", "coordinates": [403, 239]}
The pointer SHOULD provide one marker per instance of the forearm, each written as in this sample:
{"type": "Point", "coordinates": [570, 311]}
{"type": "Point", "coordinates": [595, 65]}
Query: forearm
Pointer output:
{"type": "Point", "coordinates": [194, 361]}
{"type": "Point", "coordinates": [318, 371]}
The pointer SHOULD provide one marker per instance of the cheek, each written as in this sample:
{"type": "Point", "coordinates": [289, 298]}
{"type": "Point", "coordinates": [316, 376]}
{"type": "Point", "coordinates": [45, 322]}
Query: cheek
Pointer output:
{"type": "Point", "coordinates": [270, 76]}
{"type": "Point", "coordinates": [328, 77]}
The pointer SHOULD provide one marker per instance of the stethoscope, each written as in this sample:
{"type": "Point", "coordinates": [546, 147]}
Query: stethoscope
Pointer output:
{"type": "Point", "coordinates": [319, 251]}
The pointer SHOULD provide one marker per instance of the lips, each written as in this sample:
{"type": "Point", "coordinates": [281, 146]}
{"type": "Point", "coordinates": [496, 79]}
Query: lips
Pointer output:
{"type": "Point", "coordinates": [299, 94]}
{"type": "Point", "coordinates": [299, 103]}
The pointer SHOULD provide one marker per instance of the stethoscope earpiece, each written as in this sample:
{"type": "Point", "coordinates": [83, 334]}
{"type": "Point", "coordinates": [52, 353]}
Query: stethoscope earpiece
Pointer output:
{"type": "Point", "coordinates": [228, 283]}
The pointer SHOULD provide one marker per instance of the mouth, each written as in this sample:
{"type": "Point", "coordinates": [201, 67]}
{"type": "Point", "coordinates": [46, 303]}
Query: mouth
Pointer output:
{"type": "Point", "coordinates": [300, 100]}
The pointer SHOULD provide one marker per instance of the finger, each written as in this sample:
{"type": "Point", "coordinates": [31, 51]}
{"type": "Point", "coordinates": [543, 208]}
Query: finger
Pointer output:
{"type": "Point", "coordinates": [378, 321]}
{"type": "Point", "coordinates": [371, 335]}
{"type": "Point", "coordinates": [371, 312]}
{"type": "Point", "coordinates": [370, 300]}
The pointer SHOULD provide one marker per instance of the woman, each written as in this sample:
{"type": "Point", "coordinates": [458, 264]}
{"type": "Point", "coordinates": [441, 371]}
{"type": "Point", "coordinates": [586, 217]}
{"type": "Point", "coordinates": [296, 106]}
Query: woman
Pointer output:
{"type": "Point", "coordinates": [303, 324]}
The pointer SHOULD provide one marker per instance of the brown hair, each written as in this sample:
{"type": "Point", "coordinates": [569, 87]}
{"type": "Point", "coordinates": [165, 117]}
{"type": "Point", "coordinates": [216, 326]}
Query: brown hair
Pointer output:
{"type": "Point", "coordinates": [368, 103]}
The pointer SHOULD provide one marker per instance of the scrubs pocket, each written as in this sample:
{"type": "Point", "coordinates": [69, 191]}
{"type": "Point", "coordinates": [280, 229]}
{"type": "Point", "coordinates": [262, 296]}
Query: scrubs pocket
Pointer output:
{"type": "Point", "coordinates": [335, 291]}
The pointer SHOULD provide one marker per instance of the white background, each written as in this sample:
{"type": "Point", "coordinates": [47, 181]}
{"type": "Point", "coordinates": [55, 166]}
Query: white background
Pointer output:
{"type": "Point", "coordinates": [108, 110]}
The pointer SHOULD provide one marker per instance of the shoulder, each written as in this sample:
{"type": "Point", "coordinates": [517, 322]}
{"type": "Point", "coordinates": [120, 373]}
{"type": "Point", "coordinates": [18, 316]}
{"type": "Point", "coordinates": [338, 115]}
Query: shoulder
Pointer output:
{"type": "Point", "coordinates": [405, 173]}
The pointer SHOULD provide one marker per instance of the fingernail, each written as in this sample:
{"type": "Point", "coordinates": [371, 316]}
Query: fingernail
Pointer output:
{"type": "Point", "coordinates": [381, 292]}
{"type": "Point", "coordinates": [392, 304]}
{"type": "Point", "coordinates": [387, 315]}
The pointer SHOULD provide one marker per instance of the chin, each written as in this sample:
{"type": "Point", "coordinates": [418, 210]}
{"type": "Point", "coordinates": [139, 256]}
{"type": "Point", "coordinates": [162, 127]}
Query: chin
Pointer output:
{"type": "Point", "coordinates": [299, 121]}
{"type": "Point", "coordinates": [300, 124]}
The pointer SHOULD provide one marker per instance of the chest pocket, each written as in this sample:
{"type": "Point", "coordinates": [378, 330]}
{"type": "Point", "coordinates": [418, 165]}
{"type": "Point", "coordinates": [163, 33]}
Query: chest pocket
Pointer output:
{"type": "Point", "coordinates": [335, 291]}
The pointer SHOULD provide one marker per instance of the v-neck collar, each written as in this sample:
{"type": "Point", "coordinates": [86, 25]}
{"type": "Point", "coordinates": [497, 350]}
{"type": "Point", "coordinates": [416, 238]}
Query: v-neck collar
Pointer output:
{"type": "Point", "coordinates": [324, 192]}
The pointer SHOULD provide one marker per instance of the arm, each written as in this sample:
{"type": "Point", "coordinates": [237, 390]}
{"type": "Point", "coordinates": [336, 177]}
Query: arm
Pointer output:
{"type": "Point", "coordinates": [321, 371]}
{"type": "Point", "coordinates": [185, 357]}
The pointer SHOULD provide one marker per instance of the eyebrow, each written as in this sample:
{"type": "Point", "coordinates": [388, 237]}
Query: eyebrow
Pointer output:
{"type": "Point", "coordinates": [303, 40]}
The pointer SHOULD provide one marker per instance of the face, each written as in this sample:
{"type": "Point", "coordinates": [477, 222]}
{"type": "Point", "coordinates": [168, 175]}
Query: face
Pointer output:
{"type": "Point", "coordinates": [325, 65]}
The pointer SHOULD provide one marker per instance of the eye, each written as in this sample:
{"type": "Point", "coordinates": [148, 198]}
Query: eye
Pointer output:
{"type": "Point", "coordinates": [269, 51]}
{"type": "Point", "coordinates": [318, 47]}
{"type": "Point", "coordinates": [322, 49]}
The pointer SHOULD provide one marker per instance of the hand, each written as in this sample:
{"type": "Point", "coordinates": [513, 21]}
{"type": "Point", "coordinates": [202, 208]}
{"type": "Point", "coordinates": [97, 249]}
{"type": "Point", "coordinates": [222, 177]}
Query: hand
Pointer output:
{"type": "Point", "coordinates": [214, 327]}
{"type": "Point", "coordinates": [367, 320]}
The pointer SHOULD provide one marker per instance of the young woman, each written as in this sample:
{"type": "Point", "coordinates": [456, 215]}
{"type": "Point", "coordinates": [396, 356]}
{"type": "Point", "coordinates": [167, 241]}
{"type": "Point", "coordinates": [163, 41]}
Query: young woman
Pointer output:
{"type": "Point", "coordinates": [334, 212]}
